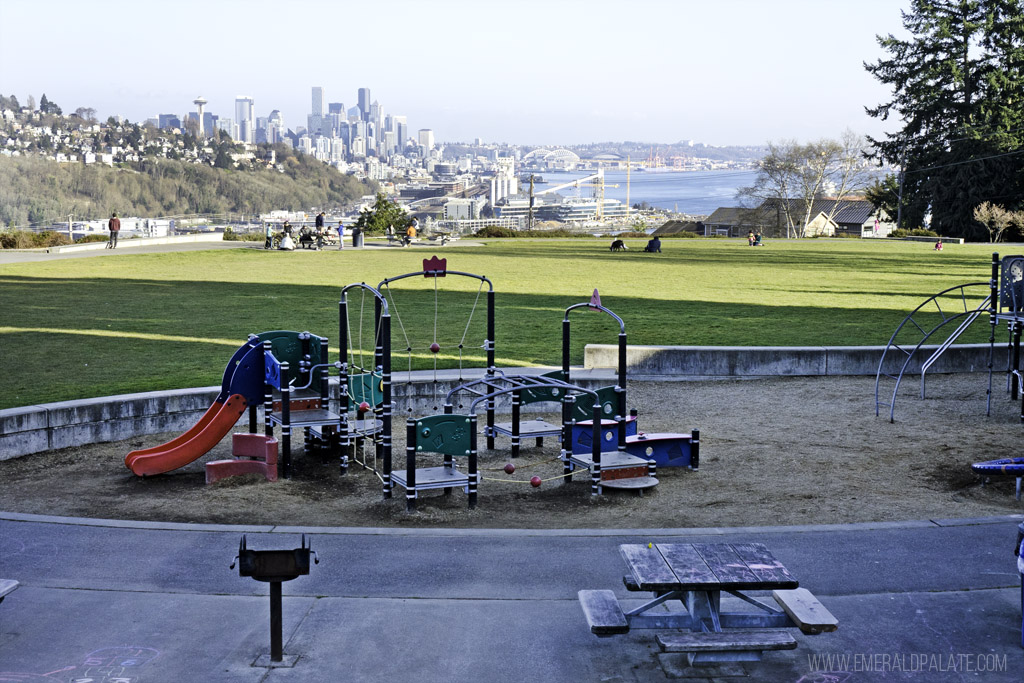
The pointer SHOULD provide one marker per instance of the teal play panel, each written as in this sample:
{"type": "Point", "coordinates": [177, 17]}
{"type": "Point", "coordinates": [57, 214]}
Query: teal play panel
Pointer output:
{"type": "Point", "coordinates": [365, 387]}
{"type": "Point", "coordinates": [445, 434]}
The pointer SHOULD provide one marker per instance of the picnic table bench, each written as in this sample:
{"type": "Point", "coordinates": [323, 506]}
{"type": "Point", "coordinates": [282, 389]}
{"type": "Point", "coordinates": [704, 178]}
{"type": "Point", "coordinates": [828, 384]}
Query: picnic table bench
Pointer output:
{"type": "Point", "coordinates": [7, 586]}
{"type": "Point", "coordinates": [696, 575]}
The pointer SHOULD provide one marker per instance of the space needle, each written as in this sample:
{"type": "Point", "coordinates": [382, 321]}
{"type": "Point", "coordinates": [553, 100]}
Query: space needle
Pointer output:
{"type": "Point", "coordinates": [200, 103]}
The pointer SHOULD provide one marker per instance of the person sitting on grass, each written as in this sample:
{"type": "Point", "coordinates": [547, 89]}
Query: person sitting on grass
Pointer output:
{"type": "Point", "coordinates": [653, 245]}
{"type": "Point", "coordinates": [938, 245]}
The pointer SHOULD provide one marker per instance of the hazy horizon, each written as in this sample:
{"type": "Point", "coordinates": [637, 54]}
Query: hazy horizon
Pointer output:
{"type": "Point", "coordinates": [557, 72]}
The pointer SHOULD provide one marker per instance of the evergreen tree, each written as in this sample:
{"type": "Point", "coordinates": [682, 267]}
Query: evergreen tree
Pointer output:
{"type": "Point", "coordinates": [958, 85]}
{"type": "Point", "coordinates": [384, 214]}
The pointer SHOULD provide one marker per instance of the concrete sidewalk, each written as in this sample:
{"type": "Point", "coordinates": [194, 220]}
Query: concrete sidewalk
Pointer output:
{"type": "Point", "coordinates": [924, 601]}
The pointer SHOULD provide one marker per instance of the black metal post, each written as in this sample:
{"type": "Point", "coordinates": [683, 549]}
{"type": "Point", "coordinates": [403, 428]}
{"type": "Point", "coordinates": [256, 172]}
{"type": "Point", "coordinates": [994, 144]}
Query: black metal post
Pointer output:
{"type": "Point", "coordinates": [286, 423]}
{"type": "Point", "coordinates": [993, 321]}
{"type": "Point", "coordinates": [268, 397]}
{"type": "Point", "coordinates": [695, 448]}
{"type": "Point", "coordinates": [595, 472]}
{"type": "Point", "coordinates": [385, 333]}
{"type": "Point", "coordinates": [276, 623]}
{"type": "Point", "coordinates": [472, 474]}
{"type": "Point", "coordinates": [490, 369]}
{"type": "Point", "coordinates": [516, 401]}
{"type": "Point", "coordinates": [343, 390]}
{"type": "Point", "coordinates": [565, 349]}
{"type": "Point", "coordinates": [620, 391]}
{"type": "Point", "coordinates": [410, 464]}
{"type": "Point", "coordinates": [568, 400]}
{"type": "Point", "coordinates": [1015, 363]}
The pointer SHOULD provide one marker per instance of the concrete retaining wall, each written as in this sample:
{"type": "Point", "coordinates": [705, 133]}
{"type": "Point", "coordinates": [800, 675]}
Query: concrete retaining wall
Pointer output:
{"type": "Point", "coordinates": [33, 429]}
{"type": "Point", "coordinates": [687, 362]}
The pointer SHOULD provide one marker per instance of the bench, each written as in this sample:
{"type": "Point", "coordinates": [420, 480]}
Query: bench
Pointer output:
{"type": "Point", "coordinates": [805, 611]}
{"type": "Point", "coordinates": [8, 586]}
{"type": "Point", "coordinates": [733, 640]}
{"type": "Point", "coordinates": [603, 613]}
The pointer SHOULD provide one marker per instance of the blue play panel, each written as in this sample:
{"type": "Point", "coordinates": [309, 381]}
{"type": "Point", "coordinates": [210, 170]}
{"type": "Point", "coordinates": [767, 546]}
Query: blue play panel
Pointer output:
{"type": "Point", "coordinates": [583, 438]}
{"type": "Point", "coordinates": [666, 450]}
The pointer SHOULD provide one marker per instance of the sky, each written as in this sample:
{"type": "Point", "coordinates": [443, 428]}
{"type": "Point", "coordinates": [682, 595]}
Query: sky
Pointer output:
{"type": "Point", "coordinates": [530, 72]}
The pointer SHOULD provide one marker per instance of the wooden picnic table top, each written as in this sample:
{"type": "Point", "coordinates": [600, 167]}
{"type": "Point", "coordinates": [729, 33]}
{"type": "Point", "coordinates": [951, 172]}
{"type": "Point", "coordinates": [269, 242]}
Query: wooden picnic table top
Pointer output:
{"type": "Point", "coordinates": [705, 567]}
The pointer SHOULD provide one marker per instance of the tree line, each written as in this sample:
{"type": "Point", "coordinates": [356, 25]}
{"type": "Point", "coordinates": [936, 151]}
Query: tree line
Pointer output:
{"type": "Point", "coordinates": [40, 191]}
{"type": "Point", "coordinates": [957, 91]}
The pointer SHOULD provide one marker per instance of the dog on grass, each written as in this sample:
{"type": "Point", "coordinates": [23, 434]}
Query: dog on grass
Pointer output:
{"type": "Point", "coordinates": [618, 245]}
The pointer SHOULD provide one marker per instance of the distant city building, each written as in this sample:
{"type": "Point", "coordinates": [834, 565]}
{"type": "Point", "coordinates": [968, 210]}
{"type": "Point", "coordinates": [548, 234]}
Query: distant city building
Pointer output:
{"type": "Point", "coordinates": [275, 127]}
{"type": "Point", "coordinates": [316, 114]}
{"type": "Point", "coordinates": [426, 138]}
{"type": "Point", "coordinates": [364, 104]}
{"type": "Point", "coordinates": [169, 121]}
{"type": "Point", "coordinates": [229, 127]}
{"type": "Point", "coordinates": [463, 209]}
{"type": "Point", "coordinates": [245, 118]}
{"type": "Point", "coordinates": [336, 108]}
{"type": "Point", "coordinates": [209, 122]}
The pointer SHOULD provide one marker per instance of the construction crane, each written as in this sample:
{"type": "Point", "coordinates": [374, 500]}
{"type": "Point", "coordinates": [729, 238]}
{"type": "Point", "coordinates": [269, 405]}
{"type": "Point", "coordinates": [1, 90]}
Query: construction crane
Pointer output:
{"type": "Point", "coordinates": [596, 179]}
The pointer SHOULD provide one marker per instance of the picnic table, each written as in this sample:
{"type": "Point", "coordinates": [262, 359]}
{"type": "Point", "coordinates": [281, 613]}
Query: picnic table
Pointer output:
{"type": "Point", "coordinates": [696, 575]}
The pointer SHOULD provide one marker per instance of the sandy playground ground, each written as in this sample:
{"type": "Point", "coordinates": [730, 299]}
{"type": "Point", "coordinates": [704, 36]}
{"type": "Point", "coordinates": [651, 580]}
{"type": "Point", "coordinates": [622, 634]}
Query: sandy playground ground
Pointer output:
{"type": "Point", "coordinates": [774, 451]}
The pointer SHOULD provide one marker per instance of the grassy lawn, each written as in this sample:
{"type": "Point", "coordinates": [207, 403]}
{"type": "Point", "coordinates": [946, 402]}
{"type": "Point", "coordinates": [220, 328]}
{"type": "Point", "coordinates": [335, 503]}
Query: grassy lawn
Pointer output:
{"type": "Point", "coordinates": [121, 323]}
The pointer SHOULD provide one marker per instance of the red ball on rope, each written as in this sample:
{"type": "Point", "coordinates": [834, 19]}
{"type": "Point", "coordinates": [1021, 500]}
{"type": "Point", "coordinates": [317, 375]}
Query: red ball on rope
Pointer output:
{"type": "Point", "coordinates": [535, 482]}
{"type": "Point", "coordinates": [435, 347]}
{"type": "Point", "coordinates": [510, 468]}
{"type": "Point", "coordinates": [363, 408]}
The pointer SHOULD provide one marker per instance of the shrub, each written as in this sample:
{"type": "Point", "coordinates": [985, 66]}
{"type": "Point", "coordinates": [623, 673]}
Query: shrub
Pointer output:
{"type": "Point", "coordinates": [92, 238]}
{"type": "Point", "coordinates": [495, 231]}
{"type": "Point", "coordinates": [26, 239]}
{"type": "Point", "coordinates": [916, 232]}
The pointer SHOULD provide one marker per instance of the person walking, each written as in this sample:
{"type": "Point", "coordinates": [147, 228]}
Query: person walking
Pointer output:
{"type": "Point", "coordinates": [320, 231]}
{"type": "Point", "coordinates": [114, 225]}
{"type": "Point", "coordinates": [268, 231]}
{"type": "Point", "coordinates": [341, 235]}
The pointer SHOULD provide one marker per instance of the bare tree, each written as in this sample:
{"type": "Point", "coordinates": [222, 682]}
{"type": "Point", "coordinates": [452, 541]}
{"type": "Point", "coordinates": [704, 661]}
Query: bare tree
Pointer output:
{"type": "Point", "coordinates": [86, 113]}
{"type": "Point", "coordinates": [997, 219]}
{"type": "Point", "coordinates": [792, 176]}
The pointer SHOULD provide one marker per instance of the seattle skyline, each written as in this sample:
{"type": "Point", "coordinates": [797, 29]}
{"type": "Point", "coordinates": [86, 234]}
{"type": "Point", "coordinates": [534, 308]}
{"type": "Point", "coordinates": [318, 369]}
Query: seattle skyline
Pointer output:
{"type": "Point", "coordinates": [532, 73]}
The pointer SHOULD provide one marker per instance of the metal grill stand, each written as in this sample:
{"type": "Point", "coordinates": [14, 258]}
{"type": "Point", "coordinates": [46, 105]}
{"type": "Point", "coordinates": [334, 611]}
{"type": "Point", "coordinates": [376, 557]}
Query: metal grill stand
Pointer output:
{"type": "Point", "coordinates": [273, 567]}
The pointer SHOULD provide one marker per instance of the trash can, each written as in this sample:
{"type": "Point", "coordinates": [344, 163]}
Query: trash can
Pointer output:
{"type": "Point", "coordinates": [1019, 552]}
{"type": "Point", "coordinates": [357, 237]}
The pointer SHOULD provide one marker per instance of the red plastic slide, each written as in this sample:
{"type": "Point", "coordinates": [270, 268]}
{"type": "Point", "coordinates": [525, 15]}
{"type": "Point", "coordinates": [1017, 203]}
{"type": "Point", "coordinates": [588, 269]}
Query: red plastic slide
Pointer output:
{"type": "Point", "coordinates": [213, 426]}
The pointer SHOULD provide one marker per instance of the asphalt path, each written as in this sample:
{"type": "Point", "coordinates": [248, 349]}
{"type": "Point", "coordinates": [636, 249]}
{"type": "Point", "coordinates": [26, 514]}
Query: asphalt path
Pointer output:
{"type": "Point", "coordinates": [479, 605]}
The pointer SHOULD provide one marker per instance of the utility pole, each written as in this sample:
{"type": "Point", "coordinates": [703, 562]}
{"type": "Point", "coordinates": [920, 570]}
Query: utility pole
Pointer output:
{"type": "Point", "coordinates": [529, 225]}
{"type": "Point", "coordinates": [628, 208]}
{"type": "Point", "coordinates": [71, 234]}
{"type": "Point", "coordinates": [899, 200]}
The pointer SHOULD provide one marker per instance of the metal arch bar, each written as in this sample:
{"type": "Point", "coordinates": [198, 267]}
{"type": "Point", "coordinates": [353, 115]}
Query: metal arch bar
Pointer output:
{"type": "Point", "coordinates": [388, 280]}
{"type": "Point", "coordinates": [373, 290]}
{"type": "Point", "coordinates": [910, 318]}
{"type": "Point", "coordinates": [509, 390]}
{"type": "Point", "coordinates": [903, 368]}
{"type": "Point", "coordinates": [622, 325]}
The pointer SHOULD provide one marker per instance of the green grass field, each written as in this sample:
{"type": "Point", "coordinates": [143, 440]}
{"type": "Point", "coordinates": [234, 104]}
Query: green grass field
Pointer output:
{"type": "Point", "coordinates": [123, 323]}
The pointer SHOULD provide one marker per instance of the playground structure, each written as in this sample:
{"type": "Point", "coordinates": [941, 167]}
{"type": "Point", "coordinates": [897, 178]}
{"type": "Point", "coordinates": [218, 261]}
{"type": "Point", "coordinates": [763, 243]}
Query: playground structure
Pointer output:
{"type": "Point", "coordinates": [288, 373]}
{"type": "Point", "coordinates": [1003, 301]}
{"type": "Point", "coordinates": [260, 366]}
